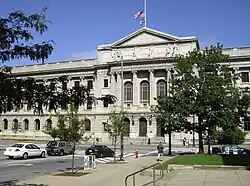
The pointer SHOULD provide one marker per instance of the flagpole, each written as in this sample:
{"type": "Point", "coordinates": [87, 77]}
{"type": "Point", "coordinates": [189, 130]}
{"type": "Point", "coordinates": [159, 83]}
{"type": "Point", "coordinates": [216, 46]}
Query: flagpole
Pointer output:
{"type": "Point", "coordinates": [145, 13]}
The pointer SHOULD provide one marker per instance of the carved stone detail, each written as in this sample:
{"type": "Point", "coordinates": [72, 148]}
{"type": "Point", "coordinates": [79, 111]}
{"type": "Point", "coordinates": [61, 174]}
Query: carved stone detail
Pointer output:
{"type": "Point", "coordinates": [151, 52]}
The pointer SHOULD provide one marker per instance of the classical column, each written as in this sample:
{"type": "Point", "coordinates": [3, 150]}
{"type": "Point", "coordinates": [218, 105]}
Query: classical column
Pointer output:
{"type": "Point", "coordinates": [113, 84]}
{"type": "Point", "coordinates": [118, 89]}
{"type": "Point", "coordinates": [152, 87]}
{"type": "Point", "coordinates": [136, 89]}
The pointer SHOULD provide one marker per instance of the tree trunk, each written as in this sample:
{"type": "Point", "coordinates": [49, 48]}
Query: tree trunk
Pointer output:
{"type": "Point", "coordinates": [201, 147]}
{"type": "Point", "coordinates": [169, 143]}
{"type": "Point", "coordinates": [73, 158]}
{"type": "Point", "coordinates": [115, 141]}
{"type": "Point", "coordinates": [208, 142]}
{"type": "Point", "coordinates": [121, 156]}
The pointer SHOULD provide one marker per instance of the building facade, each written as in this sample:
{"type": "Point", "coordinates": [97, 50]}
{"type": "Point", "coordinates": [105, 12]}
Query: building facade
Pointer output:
{"type": "Point", "coordinates": [147, 58]}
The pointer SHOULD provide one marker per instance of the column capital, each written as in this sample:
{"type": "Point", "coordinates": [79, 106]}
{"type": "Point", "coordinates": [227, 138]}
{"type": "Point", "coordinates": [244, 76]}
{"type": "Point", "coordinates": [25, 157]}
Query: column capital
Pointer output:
{"type": "Point", "coordinates": [151, 70]}
{"type": "Point", "coordinates": [134, 71]}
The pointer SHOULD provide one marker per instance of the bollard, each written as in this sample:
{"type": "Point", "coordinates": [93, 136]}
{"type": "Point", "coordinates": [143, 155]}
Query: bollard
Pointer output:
{"type": "Point", "coordinates": [136, 154]}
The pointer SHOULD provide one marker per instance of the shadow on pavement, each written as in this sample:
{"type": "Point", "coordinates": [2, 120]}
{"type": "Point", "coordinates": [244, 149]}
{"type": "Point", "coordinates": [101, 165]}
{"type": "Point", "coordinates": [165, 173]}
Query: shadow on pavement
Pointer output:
{"type": "Point", "coordinates": [14, 183]}
{"type": "Point", "coordinates": [236, 160]}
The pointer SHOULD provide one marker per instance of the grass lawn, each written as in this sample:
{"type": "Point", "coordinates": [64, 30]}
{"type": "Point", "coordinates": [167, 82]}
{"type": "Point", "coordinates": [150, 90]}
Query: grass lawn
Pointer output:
{"type": "Point", "coordinates": [204, 159]}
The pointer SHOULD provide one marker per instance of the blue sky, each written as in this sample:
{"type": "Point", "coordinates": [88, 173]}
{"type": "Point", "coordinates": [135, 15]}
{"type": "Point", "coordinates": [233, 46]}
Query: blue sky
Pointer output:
{"type": "Point", "coordinates": [79, 26]}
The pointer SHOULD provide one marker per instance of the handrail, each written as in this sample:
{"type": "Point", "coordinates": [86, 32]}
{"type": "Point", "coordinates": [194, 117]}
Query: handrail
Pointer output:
{"type": "Point", "coordinates": [139, 171]}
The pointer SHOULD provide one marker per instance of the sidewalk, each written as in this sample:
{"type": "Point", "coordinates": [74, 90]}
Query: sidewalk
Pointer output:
{"type": "Point", "coordinates": [104, 175]}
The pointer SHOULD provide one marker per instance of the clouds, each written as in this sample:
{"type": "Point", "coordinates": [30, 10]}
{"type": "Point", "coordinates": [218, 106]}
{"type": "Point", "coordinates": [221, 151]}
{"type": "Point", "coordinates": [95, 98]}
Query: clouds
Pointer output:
{"type": "Point", "coordinates": [207, 41]}
{"type": "Point", "coordinates": [84, 54]}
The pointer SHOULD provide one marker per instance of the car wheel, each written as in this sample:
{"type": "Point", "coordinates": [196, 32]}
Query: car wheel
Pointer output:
{"type": "Point", "coordinates": [43, 155]}
{"type": "Point", "coordinates": [244, 153]}
{"type": "Point", "coordinates": [61, 153]}
{"type": "Point", "coordinates": [101, 155]}
{"type": "Point", "coordinates": [25, 156]}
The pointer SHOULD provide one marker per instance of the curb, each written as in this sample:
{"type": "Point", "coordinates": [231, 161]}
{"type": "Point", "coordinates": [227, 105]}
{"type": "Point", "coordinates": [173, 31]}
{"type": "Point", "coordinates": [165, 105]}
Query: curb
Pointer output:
{"type": "Point", "coordinates": [206, 167]}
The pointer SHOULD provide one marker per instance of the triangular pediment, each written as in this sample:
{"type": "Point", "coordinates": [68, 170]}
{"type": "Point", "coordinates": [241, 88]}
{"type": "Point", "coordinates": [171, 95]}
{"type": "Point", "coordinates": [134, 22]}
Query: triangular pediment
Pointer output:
{"type": "Point", "coordinates": [145, 36]}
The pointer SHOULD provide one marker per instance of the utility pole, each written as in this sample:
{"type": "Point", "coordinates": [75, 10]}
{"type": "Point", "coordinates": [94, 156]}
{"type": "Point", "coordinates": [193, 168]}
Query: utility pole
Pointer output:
{"type": "Point", "coordinates": [119, 53]}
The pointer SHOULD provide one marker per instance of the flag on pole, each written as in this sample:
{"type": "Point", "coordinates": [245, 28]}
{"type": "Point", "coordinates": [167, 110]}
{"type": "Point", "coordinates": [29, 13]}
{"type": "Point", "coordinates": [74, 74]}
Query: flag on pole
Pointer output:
{"type": "Point", "coordinates": [139, 15]}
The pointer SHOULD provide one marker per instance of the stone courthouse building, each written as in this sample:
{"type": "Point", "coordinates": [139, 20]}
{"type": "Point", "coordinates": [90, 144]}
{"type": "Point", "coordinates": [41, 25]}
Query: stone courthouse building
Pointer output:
{"type": "Point", "coordinates": [147, 57]}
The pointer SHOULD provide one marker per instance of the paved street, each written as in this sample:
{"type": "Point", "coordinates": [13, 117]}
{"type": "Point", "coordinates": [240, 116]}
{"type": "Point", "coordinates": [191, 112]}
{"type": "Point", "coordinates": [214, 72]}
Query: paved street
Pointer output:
{"type": "Point", "coordinates": [25, 169]}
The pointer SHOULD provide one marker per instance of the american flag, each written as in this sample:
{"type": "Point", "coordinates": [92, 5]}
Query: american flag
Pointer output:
{"type": "Point", "coordinates": [139, 15]}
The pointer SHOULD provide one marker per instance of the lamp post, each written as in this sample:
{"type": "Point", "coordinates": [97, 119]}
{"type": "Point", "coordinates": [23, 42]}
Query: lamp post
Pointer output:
{"type": "Point", "coordinates": [119, 54]}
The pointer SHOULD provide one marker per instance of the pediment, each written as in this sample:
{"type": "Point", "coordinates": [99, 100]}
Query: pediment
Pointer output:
{"type": "Point", "coordinates": [145, 36]}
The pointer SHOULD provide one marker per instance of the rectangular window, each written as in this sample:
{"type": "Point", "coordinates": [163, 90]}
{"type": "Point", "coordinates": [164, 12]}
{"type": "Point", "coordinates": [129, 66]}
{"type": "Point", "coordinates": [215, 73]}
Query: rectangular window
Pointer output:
{"type": "Point", "coordinates": [90, 84]}
{"type": "Point", "coordinates": [77, 84]}
{"type": "Point", "coordinates": [245, 76]}
{"type": "Point", "coordinates": [106, 83]}
{"type": "Point", "coordinates": [89, 103]}
{"type": "Point", "coordinates": [246, 124]}
{"type": "Point", "coordinates": [52, 86]}
{"type": "Point", "coordinates": [64, 85]}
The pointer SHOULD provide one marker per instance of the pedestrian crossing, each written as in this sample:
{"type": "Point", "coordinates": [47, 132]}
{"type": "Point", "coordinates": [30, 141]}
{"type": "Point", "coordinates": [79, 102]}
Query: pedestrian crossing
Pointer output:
{"type": "Point", "coordinates": [110, 159]}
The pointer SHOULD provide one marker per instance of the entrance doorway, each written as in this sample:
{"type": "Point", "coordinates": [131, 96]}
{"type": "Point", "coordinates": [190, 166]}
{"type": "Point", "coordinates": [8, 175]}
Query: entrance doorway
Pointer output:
{"type": "Point", "coordinates": [160, 130]}
{"type": "Point", "coordinates": [142, 127]}
{"type": "Point", "coordinates": [126, 127]}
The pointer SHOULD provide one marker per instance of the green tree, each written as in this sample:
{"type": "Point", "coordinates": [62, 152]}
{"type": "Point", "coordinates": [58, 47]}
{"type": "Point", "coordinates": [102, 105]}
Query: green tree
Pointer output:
{"type": "Point", "coordinates": [52, 132]}
{"type": "Point", "coordinates": [72, 129]}
{"type": "Point", "coordinates": [116, 128]}
{"type": "Point", "coordinates": [16, 36]}
{"type": "Point", "coordinates": [208, 89]}
{"type": "Point", "coordinates": [170, 112]}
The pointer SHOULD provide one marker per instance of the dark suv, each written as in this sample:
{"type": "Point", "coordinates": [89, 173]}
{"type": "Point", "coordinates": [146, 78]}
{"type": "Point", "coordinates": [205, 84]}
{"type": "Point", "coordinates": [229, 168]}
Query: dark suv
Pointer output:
{"type": "Point", "coordinates": [59, 148]}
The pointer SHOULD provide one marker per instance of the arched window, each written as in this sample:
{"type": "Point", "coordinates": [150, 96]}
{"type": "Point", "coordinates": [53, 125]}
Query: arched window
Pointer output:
{"type": "Point", "coordinates": [144, 91]}
{"type": "Point", "coordinates": [126, 127]}
{"type": "Point", "coordinates": [87, 125]}
{"type": "Point", "coordinates": [48, 124]}
{"type": "Point", "coordinates": [26, 124]}
{"type": "Point", "coordinates": [128, 91]}
{"type": "Point", "coordinates": [161, 88]}
{"type": "Point", "coordinates": [37, 124]}
{"type": "Point", "coordinates": [5, 124]}
{"type": "Point", "coordinates": [15, 124]}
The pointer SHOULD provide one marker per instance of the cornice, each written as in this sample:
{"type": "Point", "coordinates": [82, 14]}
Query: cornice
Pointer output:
{"type": "Point", "coordinates": [108, 65]}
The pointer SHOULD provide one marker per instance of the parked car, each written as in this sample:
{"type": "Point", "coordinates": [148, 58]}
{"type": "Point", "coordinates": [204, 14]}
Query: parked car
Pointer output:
{"type": "Point", "coordinates": [58, 147]}
{"type": "Point", "coordinates": [235, 149]}
{"type": "Point", "coordinates": [100, 151]}
{"type": "Point", "coordinates": [24, 150]}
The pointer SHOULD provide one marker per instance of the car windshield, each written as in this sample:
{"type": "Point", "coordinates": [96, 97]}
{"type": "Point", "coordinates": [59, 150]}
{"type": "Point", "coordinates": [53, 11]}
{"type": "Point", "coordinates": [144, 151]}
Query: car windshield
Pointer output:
{"type": "Point", "coordinates": [95, 147]}
{"type": "Point", "coordinates": [18, 145]}
{"type": "Point", "coordinates": [52, 143]}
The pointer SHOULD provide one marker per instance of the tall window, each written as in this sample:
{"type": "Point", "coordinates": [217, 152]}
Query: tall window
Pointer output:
{"type": "Point", "coordinates": [37, 124]}
{"type": "Point", "coordinates": [144, 91]}
{"type": "Point", "coordinates": [246, 124]}
{"type": "Point", "coordinates": [128, 91]}
{"type": "Point", "coordinates": [106, 83]}
{"type": "Point", "coordinates": [87, 125]}
{"type": "Point", "coordinates": [90, 84]}
{"type": "Point", "coordinates": [5, 124]}
{"type": "Point", "coordinates": [77, 84]}
{"type": "Point", "coordinates": [161, 88]}
{"type": "Point", "coordinates": [48, 124]}
{"type": "Point", "coordinates": [245, 76]}
{"type": "Point", "coordinates": [26, 124]}
{"type": "Point", "coordinates": [89, 102]}
{"type": "Point", "coordinates": [64, 85]}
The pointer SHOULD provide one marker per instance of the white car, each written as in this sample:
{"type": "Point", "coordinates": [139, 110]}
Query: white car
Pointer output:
{"type": "Point", "coordinates": [24, 150]}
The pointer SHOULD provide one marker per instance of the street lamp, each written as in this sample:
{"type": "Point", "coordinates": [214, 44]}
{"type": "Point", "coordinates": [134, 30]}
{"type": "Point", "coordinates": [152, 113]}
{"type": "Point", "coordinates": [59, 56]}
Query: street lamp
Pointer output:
{"type": "Point", "coordinates": [120, 55]}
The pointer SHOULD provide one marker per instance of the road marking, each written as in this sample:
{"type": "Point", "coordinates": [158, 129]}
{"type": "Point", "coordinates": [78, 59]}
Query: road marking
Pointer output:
{"type": "Point", "coordinates": [20, 164]}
